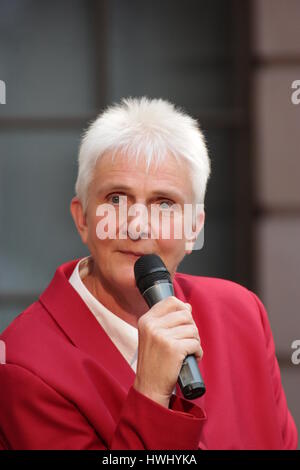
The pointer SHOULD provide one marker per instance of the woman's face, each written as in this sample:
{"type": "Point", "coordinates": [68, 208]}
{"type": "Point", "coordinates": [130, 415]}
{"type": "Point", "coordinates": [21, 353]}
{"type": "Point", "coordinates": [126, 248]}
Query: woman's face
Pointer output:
{"type": "Point", "coordinates": [122, 185]}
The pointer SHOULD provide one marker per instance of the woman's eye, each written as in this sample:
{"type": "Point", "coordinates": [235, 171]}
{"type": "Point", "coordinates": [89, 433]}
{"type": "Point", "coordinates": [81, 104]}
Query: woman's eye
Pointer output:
{"type": "Point", "coordinates": [114, 198]}
{"type": "Point", "coordinates": [165, 204]}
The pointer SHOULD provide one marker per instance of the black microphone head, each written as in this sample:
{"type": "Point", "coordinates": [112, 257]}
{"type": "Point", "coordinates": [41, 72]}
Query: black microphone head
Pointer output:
{"type": "Point", "coordinates": [148, 270]}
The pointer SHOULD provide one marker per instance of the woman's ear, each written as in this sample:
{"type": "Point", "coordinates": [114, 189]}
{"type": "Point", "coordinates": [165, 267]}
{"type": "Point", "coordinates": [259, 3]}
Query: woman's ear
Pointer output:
{"type": "Point", "coordinates": [79, 218]}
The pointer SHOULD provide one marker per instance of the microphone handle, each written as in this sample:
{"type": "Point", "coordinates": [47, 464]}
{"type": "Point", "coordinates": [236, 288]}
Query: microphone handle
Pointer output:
{"type": "Point", "coordinates": [189, 379]}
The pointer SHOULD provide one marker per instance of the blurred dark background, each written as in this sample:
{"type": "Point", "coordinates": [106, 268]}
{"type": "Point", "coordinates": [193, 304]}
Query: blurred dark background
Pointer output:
{"type": "Point", "coordinates": [229, 63]}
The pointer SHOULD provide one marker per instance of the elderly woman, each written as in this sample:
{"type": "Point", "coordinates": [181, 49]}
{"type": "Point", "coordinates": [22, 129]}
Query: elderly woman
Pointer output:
{"type": "Point", "coordinates": [89, 364]}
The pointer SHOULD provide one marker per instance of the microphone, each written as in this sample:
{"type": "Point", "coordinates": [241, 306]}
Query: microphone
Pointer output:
{"type": "Point", "coordinates": [154, 283]}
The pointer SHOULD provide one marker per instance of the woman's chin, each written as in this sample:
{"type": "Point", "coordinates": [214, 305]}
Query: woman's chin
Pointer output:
{"type": "Point", "coordinates": [125, 277]}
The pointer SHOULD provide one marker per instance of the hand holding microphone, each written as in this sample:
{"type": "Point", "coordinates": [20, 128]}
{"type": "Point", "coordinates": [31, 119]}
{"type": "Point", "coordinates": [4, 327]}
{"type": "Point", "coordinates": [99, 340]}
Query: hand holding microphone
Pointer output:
{"type": "Point", "coordinates": [169, 341]}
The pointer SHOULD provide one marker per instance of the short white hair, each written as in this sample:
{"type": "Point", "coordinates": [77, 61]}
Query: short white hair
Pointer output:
{"type": "Point", "coordinates": [148, 129]}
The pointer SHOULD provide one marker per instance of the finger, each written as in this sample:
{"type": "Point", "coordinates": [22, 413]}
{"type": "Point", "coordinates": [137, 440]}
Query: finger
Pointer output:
{"type": "Point", "coordinates": [190, 346]}
{"type": "Point", "coordinates": [170, 304]}
{"type": "Point", "coordinates": [184, 332]}
{"type": "Point", "coordinates": [180, 317]}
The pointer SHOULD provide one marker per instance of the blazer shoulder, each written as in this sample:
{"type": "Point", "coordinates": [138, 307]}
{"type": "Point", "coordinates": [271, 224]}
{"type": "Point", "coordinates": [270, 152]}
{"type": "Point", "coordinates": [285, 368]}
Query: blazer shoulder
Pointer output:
{"type": "Point", "coordinates": [24, 321]}
{"type": "Point", "coordinates": [205, 285]}
{"type": "Point", "coordinates": [221, 299]}
{"type": "Point", "coordinates": [31, 334]}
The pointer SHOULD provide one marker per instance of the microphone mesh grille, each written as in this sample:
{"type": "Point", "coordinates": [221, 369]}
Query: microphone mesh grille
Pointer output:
{"type": "Point", "coordinates": [149, 269]}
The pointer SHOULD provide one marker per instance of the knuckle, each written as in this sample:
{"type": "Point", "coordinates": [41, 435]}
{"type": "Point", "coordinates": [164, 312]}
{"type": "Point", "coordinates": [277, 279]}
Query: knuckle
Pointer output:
{"type": "Point", "coordinates": [150, 327]}
{"type": "Point", "coordinates": [195, 346]}
{"type": "Point", "coordinates": [196, 332]}
{"type": "Point", "coordinates": [182, 315]}
{"type": "Point", "coordinates": [187, 315]}
{"type": "Point", "coordinates": [144, 323]}
{"type": "Point", "coordinates": [140, 324]}
{"type": "Point", "coordinates": [156, 333]}
{"type": "Point", "coordinates": [142, 320]}
{"type": "Point", "coordinates": [172, 300]}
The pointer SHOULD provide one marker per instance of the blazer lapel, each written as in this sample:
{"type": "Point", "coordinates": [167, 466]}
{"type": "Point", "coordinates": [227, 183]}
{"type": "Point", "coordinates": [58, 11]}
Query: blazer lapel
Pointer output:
{"type": "Point", "coordinates": [72, 315]}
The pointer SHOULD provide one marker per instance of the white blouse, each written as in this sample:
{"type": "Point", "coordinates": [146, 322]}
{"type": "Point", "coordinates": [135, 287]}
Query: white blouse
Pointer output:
{"type": "Point", "coordinates": [123, 335]}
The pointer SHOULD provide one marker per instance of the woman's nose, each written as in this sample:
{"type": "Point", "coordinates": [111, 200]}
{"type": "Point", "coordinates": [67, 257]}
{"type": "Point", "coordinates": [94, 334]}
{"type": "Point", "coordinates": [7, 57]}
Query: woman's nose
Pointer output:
{"type": "Point", "coordinates": [138, 225]}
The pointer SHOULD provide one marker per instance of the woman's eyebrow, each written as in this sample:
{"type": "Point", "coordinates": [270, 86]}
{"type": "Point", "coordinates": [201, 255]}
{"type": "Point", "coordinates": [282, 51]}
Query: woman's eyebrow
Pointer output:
{"type": "Point", "coordinates": [108, 187]}
{"type": "Point", "coordinates": [158, 192]}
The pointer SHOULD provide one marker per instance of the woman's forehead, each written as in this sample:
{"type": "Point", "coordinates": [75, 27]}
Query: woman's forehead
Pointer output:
{"type": "Point", "coordinates": [169, 166]}
{"type": "Point", "coordinates": [168, 176]}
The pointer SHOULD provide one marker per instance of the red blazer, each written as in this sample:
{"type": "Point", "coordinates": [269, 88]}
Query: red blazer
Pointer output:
{"type": "Point", "coordinates": [66, 386]}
